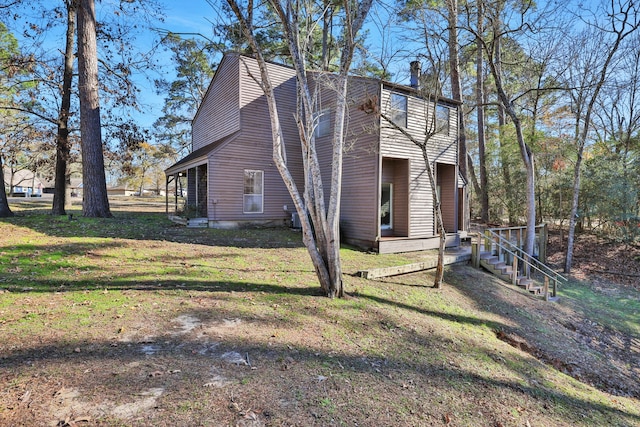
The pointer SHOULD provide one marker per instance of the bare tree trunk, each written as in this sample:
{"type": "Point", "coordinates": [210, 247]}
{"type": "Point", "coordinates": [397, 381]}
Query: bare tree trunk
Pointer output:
{"type": "Point", "coordinates": [484, 190]}
{"type": "Point", "coordinates": [437, 283]}
{"type": "Point", "coordinates": [320, 233]}
{"type": "Point", "coordinates": [96, 202]}
{"type": "Point", "coordinates": [5, 210]}
{"type": "Point", "coordinates": [456, 84]}
{"type": "Point", "coordinates": [525, 154]}
{"type": "Point", "coordinates": [624, 22]}
{"type": "Point", "coordinates": [327, 22]}
{"type": "Point", "coordinates": [63, 147]}
{"type": "Point", "coordinates": [504, 158]}
{"type": "Point", "coordinates": [472, 174]}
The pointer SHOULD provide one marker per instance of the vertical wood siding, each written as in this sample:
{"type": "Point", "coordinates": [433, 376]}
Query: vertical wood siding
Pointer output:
{"type": "Point", "coordinates": [396, 171]}
{"type": "Point", "coordinates": [448, 195]}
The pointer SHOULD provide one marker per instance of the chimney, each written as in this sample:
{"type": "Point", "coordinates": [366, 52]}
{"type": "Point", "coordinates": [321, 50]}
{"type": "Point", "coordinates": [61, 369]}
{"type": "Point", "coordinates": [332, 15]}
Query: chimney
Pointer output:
{"type": "Point", "coordinates": [415, 68]}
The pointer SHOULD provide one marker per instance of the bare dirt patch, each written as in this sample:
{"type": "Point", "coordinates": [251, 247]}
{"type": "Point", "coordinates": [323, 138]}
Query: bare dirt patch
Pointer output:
{"type": "Point", "coordinates": [142, 323]}
{"type": "Point", "coordinates": [598, 353]}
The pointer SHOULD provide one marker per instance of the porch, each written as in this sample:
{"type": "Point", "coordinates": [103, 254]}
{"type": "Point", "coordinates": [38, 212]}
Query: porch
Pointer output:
{"type": "Point", "coordinates": [389, 245]}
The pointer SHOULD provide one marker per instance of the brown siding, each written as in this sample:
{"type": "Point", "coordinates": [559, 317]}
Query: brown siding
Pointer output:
{"type": "Point", "coordinates": [441, 148]}
{"type": "Point", "coordinates": [448, 195]}
{"type": "Point", "coordinates": [219, 112]}
{"type": "Point", "coordinates": [252, 149]}
{"type": "Point", "coordinates": [360, 179]}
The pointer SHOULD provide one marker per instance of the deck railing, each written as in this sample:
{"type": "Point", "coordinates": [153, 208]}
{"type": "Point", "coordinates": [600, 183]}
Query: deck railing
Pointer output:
{"type": "Point", "coordinates": [507, 243]}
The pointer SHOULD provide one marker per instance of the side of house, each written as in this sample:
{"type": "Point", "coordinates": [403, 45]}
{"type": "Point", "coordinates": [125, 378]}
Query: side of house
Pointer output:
{"type": "Point", "coordinates": [230, 177]}
{"type": "Point", "coordinates": [230, 180]}
{"type": "Point", "coordinates": [406, 196]}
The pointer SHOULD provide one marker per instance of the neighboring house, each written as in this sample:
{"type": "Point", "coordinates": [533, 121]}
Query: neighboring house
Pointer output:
{"type": "Point", "coordinates": [22, 183]}
{"type": "Point", "coordinates": [120, 191]}
{"type": "Point", "coordinates": [74, 188]}
{"type": "Point", "coordinates": [230, 179]}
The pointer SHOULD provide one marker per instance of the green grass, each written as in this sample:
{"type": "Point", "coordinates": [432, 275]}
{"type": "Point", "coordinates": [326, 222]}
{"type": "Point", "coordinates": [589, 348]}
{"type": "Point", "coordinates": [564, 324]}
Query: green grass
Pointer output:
{"type": "Point", "coordinates": [394, 352]}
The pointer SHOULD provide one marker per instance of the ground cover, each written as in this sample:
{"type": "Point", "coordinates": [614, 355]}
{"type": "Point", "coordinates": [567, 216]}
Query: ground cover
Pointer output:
{"type": "Point", "coordinates": [134, 321]}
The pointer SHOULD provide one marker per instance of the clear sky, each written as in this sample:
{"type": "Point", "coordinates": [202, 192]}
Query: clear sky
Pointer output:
{"type": "Point", "coordinates": [181, 16]}
{"type": "Point", "coordinates": [191, 16]}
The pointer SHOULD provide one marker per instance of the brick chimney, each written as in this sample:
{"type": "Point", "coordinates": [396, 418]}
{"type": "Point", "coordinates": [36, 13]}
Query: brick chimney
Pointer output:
{"type": "Point", "coordinates": [416, 70]}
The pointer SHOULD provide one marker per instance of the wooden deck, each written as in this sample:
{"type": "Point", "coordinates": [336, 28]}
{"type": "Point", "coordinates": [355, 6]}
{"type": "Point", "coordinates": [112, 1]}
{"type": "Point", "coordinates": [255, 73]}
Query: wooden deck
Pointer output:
{"type": "Point", "coordinates": [392, 245]}
{"type": "Point", "coordinates": [459, 255]}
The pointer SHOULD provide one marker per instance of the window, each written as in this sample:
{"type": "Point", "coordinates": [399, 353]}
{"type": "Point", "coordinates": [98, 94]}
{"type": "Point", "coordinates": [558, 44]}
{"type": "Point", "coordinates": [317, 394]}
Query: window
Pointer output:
{"type": "Point", "coordinates": [386, 206]}
{"type": "Point", "coordinates": [442, 119]}
{"type": "Point", "coordinates": [322, 123]}
{"type": "Point", "coordinates": [399, 109]}
{"type": "Point", "coordinates": [253, 191]}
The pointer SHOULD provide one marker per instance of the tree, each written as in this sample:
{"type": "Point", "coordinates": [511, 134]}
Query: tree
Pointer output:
{"type": "Point", "coordinates": [51, 97]}
{"type": "Point", "coordinates": [480, 103]}
{"type": "Point", "coordinates": [431, 128]}
{"type": "Point", "coordinates": [195, 64]}
{"type": "Point", "coordinates": [456, 82]}
{"type": "Point", "coordinates": [63, 145]}
{"type": "Point", "coordinates": [320, 221]}
{"type": "Point", "coordinates": [8, 68]}
{"type": "Point", "coordinates": [95, 203]}
{"type": "Point", "coordinates": [521, 79]}
{"type": "Point", "coordinates": [588, 72]}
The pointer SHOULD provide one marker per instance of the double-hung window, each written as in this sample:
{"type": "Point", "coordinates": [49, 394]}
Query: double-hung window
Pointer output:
{"type": "Point", "coordinates": [399, 109]}
{"type": "Point", "coordinates": [253, 197]}
{"type": "Point", "coordinates": [322, 123]}
{"type": "Point", "coordinates": [442, 119]}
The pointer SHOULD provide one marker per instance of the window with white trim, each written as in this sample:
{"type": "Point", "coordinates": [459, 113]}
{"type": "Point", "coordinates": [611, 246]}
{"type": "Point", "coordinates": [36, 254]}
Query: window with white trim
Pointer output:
{"type": "Point", "coordinates": [253, 197]}
{"type": "Point", "coordinates": [323, 123]}
{"type": "Point", "coordinates": [398, 109]}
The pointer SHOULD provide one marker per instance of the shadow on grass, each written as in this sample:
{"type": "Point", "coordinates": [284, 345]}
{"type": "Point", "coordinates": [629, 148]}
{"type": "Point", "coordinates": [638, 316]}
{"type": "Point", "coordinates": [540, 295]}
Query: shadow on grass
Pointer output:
{"type": "Point", "coordinates": [432, 377]}
{"type": "Point", "coordinates": [153, 226]}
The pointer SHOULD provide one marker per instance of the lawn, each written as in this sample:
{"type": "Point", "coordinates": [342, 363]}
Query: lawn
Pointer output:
{"type": "Point", "coordinates": [134, 321]}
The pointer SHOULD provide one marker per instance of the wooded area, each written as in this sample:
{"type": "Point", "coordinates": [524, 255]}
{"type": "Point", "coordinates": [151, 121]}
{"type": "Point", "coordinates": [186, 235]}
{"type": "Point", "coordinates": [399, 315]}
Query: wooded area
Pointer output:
{"type": "Point", "coordinates": [550, 129]}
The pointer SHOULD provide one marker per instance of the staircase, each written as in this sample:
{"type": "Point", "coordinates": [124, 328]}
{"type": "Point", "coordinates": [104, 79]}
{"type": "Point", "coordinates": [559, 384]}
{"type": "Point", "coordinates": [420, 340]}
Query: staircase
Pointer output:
{"type": "Point", "coordinates": [499, 251]}
{"type": "Point", "coordinates": [497, 267]}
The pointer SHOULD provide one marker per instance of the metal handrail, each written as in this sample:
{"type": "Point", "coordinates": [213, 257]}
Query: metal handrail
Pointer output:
{"type": "Point", "coordinates": [549, 271]}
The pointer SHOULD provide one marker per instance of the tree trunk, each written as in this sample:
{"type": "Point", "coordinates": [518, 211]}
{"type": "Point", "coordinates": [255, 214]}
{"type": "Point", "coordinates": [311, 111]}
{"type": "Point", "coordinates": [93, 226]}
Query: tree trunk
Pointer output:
{"type": "Point", "coordinates": [573, 216]}
{"type": "Point", "coordinates": [504, 158]}
{"type": "Point", "coordinates": [5, 211]}
{"type": "Point", "coordinates": [63, 146]}
{"type": "Point", "coordinates": [624, 22]}
{"type": "Point", "coordinates": [484, 194]}
{"type": "Point", "coordinates": [320, 226]}
{"type": "Point", "coordinates": [95, 201]}
{"type": "Point", "coordinates": [456, 84]}
{"type": "Point", "coordinates": [437, 283]}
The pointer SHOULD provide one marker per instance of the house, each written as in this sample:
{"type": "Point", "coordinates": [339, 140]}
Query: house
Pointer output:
{"type": "Point", "coordinates": [120, 190]}
{"type": "Point", "coordinates": [22, 183]}
{"type": "Point", "coordinates": [229, 179]}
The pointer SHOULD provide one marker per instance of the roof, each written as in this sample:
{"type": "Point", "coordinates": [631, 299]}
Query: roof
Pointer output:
{"type": "Point", "coordinates": [198, 156]}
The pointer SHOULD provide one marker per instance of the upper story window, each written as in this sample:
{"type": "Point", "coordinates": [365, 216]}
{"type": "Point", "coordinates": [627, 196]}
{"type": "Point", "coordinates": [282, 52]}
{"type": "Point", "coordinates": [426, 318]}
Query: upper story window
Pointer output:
{"type": "Point", "coordinates": [323, 123]}
{"type": "Point", "coordinates": [442, 119]}
{"type": "Point", "coordinates": [399, 109]}
{"type": "Point", "coordinates": [253, 197]}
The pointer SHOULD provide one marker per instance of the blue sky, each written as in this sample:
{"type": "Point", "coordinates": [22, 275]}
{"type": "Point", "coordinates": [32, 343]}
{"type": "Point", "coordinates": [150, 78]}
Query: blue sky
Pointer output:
{"type": "Point", "coordinates": [189, 17]}
{"type": "Point", "coordinates": [181, 17]}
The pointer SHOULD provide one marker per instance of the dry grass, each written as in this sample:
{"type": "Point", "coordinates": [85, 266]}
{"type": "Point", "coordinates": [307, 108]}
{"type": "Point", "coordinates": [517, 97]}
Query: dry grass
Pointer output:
{"type": "Point", "coordinates": [134, 321]}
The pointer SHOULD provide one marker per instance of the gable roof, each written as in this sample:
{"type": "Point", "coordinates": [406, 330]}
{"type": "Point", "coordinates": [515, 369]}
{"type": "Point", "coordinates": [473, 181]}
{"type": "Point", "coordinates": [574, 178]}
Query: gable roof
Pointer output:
{"type": "Point", "coordinates": [198, 156]}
